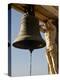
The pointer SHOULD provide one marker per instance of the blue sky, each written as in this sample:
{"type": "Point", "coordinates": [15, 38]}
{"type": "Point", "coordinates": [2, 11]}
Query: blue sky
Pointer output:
{"type": "Point", "coordinates": [21, 58]}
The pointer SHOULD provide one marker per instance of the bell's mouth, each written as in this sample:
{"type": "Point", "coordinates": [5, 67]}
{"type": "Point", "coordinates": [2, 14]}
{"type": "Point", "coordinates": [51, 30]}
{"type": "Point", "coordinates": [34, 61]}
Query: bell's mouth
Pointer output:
{"type": "Point", "coordinates": [29, 44]}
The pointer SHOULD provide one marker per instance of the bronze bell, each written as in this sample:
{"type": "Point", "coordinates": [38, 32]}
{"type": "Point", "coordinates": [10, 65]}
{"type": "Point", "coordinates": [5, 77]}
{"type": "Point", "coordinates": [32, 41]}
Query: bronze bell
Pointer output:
{"type": "Point", "coordinates": [29, 36]}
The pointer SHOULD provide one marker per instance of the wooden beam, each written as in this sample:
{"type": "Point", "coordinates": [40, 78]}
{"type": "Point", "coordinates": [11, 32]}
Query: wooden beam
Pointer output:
{"type": "Point", "coordinates": [51, 9]}
{"type": "Point", "coordinates": [43, 13]}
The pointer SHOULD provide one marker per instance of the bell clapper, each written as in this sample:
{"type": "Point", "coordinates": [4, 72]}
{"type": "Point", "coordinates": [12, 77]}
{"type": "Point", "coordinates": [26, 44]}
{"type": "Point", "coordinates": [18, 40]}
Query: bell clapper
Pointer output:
{"type": "Point", "coordinates": [30, 50]}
